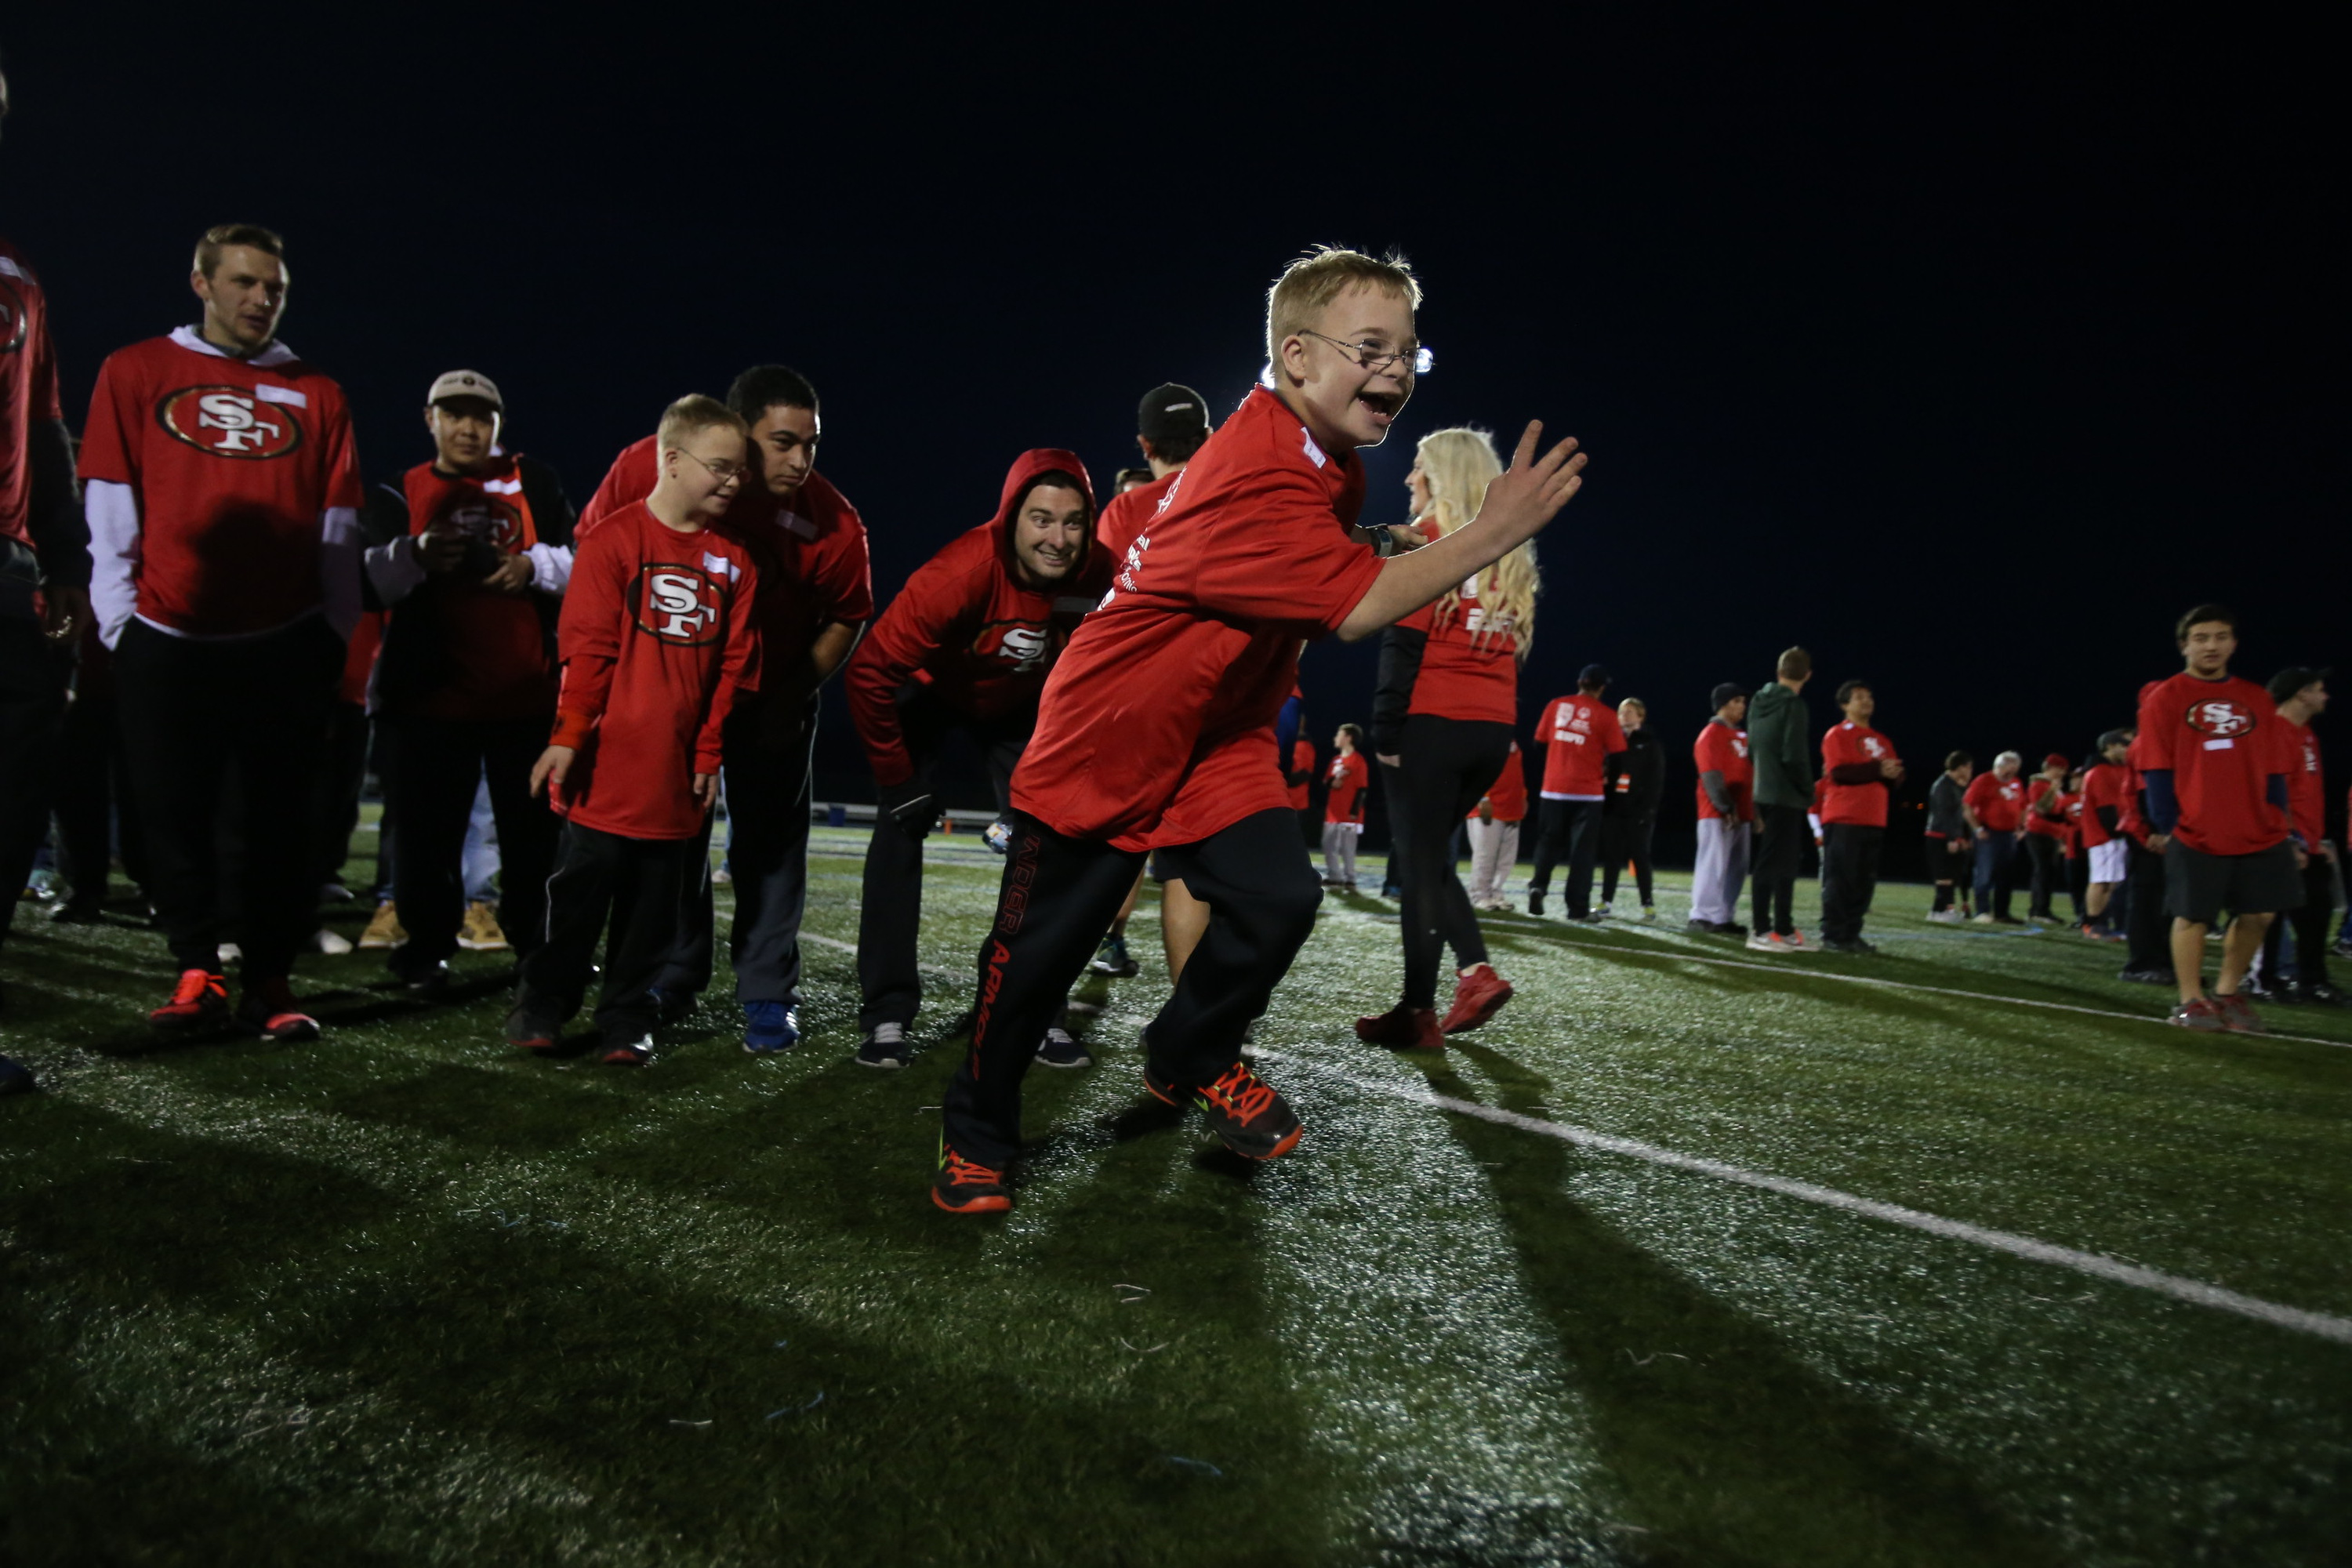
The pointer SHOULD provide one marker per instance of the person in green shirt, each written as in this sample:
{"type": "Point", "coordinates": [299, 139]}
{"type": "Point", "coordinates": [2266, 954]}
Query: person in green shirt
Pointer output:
{"type": "Point", "coordinates": [1779, 743]}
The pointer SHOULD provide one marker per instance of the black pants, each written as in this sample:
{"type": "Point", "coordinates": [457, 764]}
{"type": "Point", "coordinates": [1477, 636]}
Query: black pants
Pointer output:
{"type": "Point", "coordinates": [767, 856]}
{"type": "Point", "coordinates": [1947, 868]}
{"type": "Point", "coordinates": [1443, 768]}
{"type": "Point", "coordinates": [2049, 873]}
{"type": "Point", "coordinates": [34, 675]}
{"type": "Point", "coordinates": [93, 797]}
{"type": "Point", "coordinates": [381, 744]}
{"type": "Point", "coordinates": [1573, 826]}
{"type": "Point", "coordinates": [2310, 922]}
{"type": "Point", "coordinates": [1848, 878]}
{"type": "Point", "coordinates": [1781, 835]}
{"type": "Point", "coordinates": [193, 715]}
{"type": "Point", "coordinates": [637, 882]}
{"type": "Point", "coordinates": [891, 919]}
{"type": "Point", "coordinates": [342, 778]}
{"type": "Point", "coordinates": [2147, 929]}
{"type": "Point", "coordinates": [1626, 836]}
{"type": "Point", "coordinates": [437, 766]}
{"type": "Point", "coordinates": [1058, 898]}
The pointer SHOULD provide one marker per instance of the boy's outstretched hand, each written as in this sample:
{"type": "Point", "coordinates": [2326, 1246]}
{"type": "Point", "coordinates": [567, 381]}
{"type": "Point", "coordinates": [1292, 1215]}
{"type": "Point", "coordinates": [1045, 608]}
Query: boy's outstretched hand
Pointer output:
{"type": "Point", "coordinates": [549, 770]}
{"type": "Point", "coordinates": [1530, 492]}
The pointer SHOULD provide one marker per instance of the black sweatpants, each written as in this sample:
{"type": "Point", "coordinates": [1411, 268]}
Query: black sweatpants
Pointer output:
{"type": "Point", "coordinates": [34, 675]}
{"type": "Point", "coordinates": [1626, 836]}
{"type": "Point", "coordinates": [1781, 835]}
{"type": "Point", "coordinates": [635, 881]}
{"type": "Point", "coordinates": [2147, 927]}
{"type": "Point", "coordinates": [437, 766]}
{"type": "Point", "coordinates": [1058, 898]}
{"type": "Point", "coordinates": [890, 918]}
{"type": "Point", "coordinates": [1444, 769]}
{"type": "Point", "coordinates": [343, 777]}
{"type": "Point", "coordinates": [1573, 826]}
{"type": "Point", "coordinates": [2310, 922]}
{"type": "Point", "coordinates": [1848, 878]}
{"type": "Point", "coordinates": [768, 794]}
{"type": "Point", "coordinates": [2049, 873]}
{"type": "Point", "coordinates": [1947, 868]}
{"type": "Point", "coordinates": [194, 714]}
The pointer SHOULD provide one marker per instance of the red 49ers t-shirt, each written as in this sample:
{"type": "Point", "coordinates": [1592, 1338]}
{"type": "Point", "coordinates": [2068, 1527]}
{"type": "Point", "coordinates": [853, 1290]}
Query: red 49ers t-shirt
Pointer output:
{"type": "Point", "coordinates": [1580, 734]}
{"type": "Point", "coordinates": [28, 386]}
{"type": "Point", "coordinates": [488, 649]}
{"type": "Point", "coordinates": [1349, 774]}
{"type": "Point", "coordinates": [234, 464]}
{"type": "Point", "coordinates": [1999, 803]}
{"type": "Point", "coordinates": [1723, 749]}
{"type": "Point", "coordinates": [2102, 786]}
{"type": "Point", "coordinates": [2222, 740]}
{"type": "Point", "coordinates": [2306, 797]}
{"type": "Point", "coordinates": [1857, 805]}
{"type": "Point", "coordinates": [657, 640]}
{"type": "Point", "coordinates": [1470, 663]}
{"type": "Point", "coordinates": [1157, 726]}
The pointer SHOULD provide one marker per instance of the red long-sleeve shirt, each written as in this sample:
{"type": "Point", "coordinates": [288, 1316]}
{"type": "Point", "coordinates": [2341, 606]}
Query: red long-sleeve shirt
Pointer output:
{"type": "Point", "coordinates": [657, 639]}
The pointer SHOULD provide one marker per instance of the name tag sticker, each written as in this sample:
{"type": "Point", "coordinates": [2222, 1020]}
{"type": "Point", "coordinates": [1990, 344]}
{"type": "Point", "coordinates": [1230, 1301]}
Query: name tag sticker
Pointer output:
{"type": "Point", "coordinates": [793, 522]}
{"type": "Point", "coordinates": [286, 394]}
{"type": "Point", "coordinates": [2221, 745]}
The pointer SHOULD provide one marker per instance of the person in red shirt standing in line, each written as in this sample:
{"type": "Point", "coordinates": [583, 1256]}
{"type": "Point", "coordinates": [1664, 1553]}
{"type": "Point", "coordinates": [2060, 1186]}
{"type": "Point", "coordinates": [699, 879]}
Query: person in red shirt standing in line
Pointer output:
{"type": "Point", "coordinates": [1859, 769]}
{"type": "Point", "coordinates": [222, 497]}
{"type": "Point", "coordinates": [1726, 818]}
{"type": "Point", "coordinates": [2105, 785]}
{"type": "Point", "coordinates": [1343, 808]}
{"type": "Point", "coordinates": [816, 595]}
{"type": "Point", "coordinates": [1994, 805]}
{"type": "Point", "coordinates": [2301, 696]}
{"type": "Point", "coordinates": [1443, 713]}
{"type": "Point", "coordinates": [1495, 834]}
{"type": "Point", "coordinates": [1157, 729]}
{"type": "Point", "coordinates": [44, 581]}
{"type": "Point", "coordinates": [2045, 834]}
{"type": "Point", "coordinates": [967, 645]}
{"type": "Point", "coordinates": [1580, 734]}
{"type": "Point", "coordinates": [2216, 771]}
{"type": "Point", "coordinates": [2148, 925]}
{"type": "Point", "coordinates": [657, 637]}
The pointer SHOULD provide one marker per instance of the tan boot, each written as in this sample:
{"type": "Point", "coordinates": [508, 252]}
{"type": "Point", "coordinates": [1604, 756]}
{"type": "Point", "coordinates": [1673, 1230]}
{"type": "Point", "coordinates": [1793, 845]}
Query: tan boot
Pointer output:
{"type": "Point", "coordinates": [383, 930]}
{"type": "Point", "coordinates": [481, 933]}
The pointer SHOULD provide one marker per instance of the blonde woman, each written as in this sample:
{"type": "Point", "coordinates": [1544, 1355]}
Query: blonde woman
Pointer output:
{"type": "Point", "coordinates": [1443, 718]}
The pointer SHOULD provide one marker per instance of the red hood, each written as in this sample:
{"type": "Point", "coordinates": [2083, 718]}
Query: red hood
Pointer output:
{"type": "Point", "coordinates": [1017, 481]}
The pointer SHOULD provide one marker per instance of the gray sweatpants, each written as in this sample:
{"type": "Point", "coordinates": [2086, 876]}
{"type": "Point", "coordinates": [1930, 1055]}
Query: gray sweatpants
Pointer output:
{"type": "Point", "coordinates": [1340, 852]}
{"type": "Point", "coordinates": [1722, 867]}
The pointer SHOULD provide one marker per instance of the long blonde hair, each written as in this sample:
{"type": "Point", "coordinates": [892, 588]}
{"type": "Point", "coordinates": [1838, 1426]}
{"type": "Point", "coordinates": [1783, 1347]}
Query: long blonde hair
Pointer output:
{"type": "Point", "coordinates": [1458, 465]}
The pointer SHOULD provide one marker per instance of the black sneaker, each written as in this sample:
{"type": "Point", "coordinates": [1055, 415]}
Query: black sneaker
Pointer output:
{"type": "Point", "coordinates": [14, 1079]}
{"type": "Point", "coordinates": [2321, 992]}
{"type": "Point", "coordinates": [1111, 958]}
{"type": "Point", "coordinates": [1850, 944]}
{"type": "Point", "coordinates": [2146, 976]}
{"type": "Point", "coordinates": [1061, 1051]}
{"type": "Point", "coordinates": [885, 1045]}
{"type": "Point", "coordinates": [1244, 1110]}
{"type": "Point", "coordinates": [527, 1031]}
{"type": "Point", "coordinates": [1728, 928]}
{"type": "Point", "coordinates": [629, 1049]}
{"type": "Point", "coordinates": [967, 1186]}
{"type": "Point", "coordinates": [429, 981]}
{"type": "Point", "coordinates": [1535, 900]}
{"type": "Point", "coordinates": [76, 912]}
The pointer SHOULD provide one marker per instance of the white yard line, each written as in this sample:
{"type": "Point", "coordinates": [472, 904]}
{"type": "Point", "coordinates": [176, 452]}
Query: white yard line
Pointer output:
{"type": "Point", "coordinates": [2194, 1291]}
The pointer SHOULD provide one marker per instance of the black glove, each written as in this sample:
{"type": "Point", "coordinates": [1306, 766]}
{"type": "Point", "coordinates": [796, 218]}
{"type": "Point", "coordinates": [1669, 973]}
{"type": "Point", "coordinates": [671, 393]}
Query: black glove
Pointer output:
{"type": "Point", "coordinates": [912, 807]}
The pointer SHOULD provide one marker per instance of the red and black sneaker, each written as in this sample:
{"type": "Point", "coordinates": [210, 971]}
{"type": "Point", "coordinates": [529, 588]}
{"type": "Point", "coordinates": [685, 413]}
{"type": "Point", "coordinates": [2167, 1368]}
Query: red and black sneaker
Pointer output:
{"type": "Point", "coordinates": [1163, 1088]}
{"type": "Point", "coordinates": [1479, 995]}
{"type": "Point", "coordinates": [200, 998]}
{"type": "Point", "coordinates": [2198, 1013]}
{"type": "Point", "coordinates": [1244, 1109]}
{"type": "Point", "coordinates": [966, 1186]}
{"type": "Point", "coordinates": [267, 1009]}
{"type": "Point", "coordinates": [2238, 1014]}
{"type": "Point", "coordinates": [526, 1031]}
{"type": "Point", "coordinates": [1406, 1029]}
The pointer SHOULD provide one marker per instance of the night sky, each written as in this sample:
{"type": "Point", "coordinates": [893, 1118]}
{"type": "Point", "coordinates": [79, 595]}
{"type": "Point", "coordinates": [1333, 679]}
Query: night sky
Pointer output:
{"type": "Point", "coordinates": [1968, 359]}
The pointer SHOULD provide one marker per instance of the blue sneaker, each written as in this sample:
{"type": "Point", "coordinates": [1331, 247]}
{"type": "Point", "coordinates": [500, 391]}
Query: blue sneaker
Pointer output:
{"type": "Point", "coordinates": [14, 1079]}
{"type": "Point", "coordinates": [769, 1026]}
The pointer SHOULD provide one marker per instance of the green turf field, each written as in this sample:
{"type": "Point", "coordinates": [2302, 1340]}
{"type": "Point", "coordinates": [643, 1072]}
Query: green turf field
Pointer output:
{"type": "Point", "coordinates": [1692, 1256]}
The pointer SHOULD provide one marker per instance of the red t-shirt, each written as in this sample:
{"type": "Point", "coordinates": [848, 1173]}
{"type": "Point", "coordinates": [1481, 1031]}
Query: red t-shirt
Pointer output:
{"type": "Point", "coordinates": [1723, 749]}
{"type": "Point", "coordinates": [810, 551]}
{"type": "Point", "coordinates": [1862, 805]}
{"type": "Point", "coordinates": [2069, 806]}
{"type": "Point", "coordinates": [1124, 517]}
{"type": "Point", "coordinates": [2222, 740]}
{"type": "Point", "coordinates": [234, 464]}
{"type": "Point", "coordinates": [488, 655]}
{"type": "Point", "coordinates": [1348, 776]}
{"type": "Point", "coordinates": [28, 386]}
{"type": "Point", "coordinates": [1998, 803]}
{"type": "Point", "coordinates": [1580, 734]}
{"type": "Point", "coordinates": [1469, 664]}
{"type": "Point", "coordinates": [1302, 763]}
{"type": "Point", "coordinates": [657, 639]}
{"type": "Point", "coordinates": [2036, 819]}
{"type": "Point", "coordinates": [2103, 786]}
{"type": "Point", "coordinates": [967, 628]}
{"type": "Point", "coordinates": [1507, 797]}
{"type": "Point", "coordinates": [2306, 797]}
{"type": "Point", "coordinates": [1157, 726]}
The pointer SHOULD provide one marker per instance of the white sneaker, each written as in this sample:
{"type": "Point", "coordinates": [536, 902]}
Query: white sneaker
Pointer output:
{"type": "Point", "coordinates": [1766, 941]}
{"type": "Point", "coordinates": [229, 954]}
{"type": "Point", "coordinates": [1981, 921]}
{"type": "Point", "coordinates": [329, 942]}
{"type": "Point", "coordinates": [1946, 917]}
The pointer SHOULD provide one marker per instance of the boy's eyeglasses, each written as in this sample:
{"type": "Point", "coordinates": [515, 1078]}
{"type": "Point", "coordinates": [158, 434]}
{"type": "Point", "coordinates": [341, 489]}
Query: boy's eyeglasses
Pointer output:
{"type": "Point", "coordinates": [722, 473]}
{"type": "Point", "coordinates": [1375, 355]}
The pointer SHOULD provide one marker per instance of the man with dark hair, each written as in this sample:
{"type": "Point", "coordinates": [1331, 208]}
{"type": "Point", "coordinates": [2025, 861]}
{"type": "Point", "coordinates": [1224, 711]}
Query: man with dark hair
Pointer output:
{"type": "Point", "coordinates": [1634, 782]}
{"type": "Point", "coordinates": [1778, 744]}
{"type": "Point", "coordinates": [2216, 771]}
{"type": "Point", "coordinates": [44, 580]}
{"type": "Point", "coordinates": [470, 554]}
{"type": "Point", "coordinates": [1580, 734]}
{"type": "Point", "coordinates": [2301, 696]}
{"type": "Point", "coordinates": [223, 496]}
{"type": "Point", "coordinates": [1859, 767]}
{"type": "Point", "coordinates": [1945, 841]}
{"type": "Point", "coordinates": [1128, 479]}
{"type": "Point", "coordinates": [815, 596]}
{"type": "Point", "coordinates": [2104, 785]}
{"type": "Point", "coordinates": [1727, 816]}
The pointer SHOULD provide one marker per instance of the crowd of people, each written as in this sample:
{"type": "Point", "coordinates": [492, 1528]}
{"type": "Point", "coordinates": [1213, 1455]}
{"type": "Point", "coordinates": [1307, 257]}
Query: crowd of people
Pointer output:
{"type": "Point", "coordinates": [221, 621]}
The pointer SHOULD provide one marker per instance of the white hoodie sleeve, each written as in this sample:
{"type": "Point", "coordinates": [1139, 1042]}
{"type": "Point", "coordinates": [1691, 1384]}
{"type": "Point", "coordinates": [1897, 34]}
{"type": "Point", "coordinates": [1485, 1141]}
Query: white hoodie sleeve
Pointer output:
{"type": "Point", "coordinates": [113, 513]}
{"type": "Point", "coordinates": [339, 568]}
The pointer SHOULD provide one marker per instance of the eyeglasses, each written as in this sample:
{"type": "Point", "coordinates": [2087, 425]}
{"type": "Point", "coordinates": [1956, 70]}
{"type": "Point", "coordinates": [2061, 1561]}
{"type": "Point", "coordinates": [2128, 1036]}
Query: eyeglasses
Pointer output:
{"type": "Point", "coordinates": [722, 473]}
{"type": "Point", "coordinates": [1375, 355]}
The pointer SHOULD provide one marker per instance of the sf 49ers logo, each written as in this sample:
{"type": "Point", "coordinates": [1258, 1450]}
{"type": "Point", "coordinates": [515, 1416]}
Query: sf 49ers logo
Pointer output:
{"type": "Point", "coordinates": [492, 521]}
{"type": "Point", "coordinates": [1020, 644]}
{"type": "Point", "coordinates": [678, 603]}
{"type": "Point", "coordinates": [12, 318]}
{"type": "Point", "coordinates": [2219, 717]}
{"type": "Point", "coordinates": [229, 422]}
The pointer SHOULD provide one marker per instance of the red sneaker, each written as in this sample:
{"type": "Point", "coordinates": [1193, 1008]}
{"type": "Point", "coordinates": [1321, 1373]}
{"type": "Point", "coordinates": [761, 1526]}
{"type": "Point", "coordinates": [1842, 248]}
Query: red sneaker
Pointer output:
{"type": "Point", "coordinates": [1479, 995]}
{"type": "Point", "coordinates": [2200, 1015]}
{"type": "Point", "coordinates": [2238, 1014]}
{"type": "Point", "coordinates": [267, 1009]}
{"type": "Point", "coordinates": [965, 1186]}
{"type": "Point", "coordinates": [200, 998]}
{"type": "Point", "coordinates": [1403, 1028]}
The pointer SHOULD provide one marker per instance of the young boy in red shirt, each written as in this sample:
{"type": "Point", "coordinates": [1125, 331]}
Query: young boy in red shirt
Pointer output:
{"type": "Point", "coordinates": [2301, 696]}
{"type": "Point", "coordinates": [1343, 808]}
{"type": "Point", "coordinates": [1858, 768]}
{"type": "Point", "coordinates": [1579, 734]}
{"type": "Point", "coordinates": [2105, 786]}
{"type": "Point", "coordinates": [1156, 731]}
{"type": "Point", "coordinates": [657, 640]}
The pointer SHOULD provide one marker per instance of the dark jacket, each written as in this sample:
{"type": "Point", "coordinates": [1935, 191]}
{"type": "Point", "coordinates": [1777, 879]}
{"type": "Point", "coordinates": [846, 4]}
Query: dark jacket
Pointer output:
{"type": "Point", "coordinates": [1636, 777]}
{"type": "Point", "coordinates": [1779, 742]}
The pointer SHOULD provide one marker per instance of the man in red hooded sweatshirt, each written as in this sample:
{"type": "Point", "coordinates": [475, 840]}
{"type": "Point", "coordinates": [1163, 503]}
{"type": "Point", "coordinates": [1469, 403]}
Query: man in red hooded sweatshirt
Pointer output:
{"type": "Point", "coordinates": [965, 645]}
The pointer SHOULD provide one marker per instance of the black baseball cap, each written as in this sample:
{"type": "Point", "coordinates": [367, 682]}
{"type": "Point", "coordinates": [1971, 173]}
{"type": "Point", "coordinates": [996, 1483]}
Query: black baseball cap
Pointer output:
{"type": "Point", "coordinates": [2294, 679]}
{"type": "Point", "coordinates": [1592, 675]}
{"type": "Point", "coordinates": [1725, 693]}
{"type": "Point", "coordinates": [1172, 413]}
